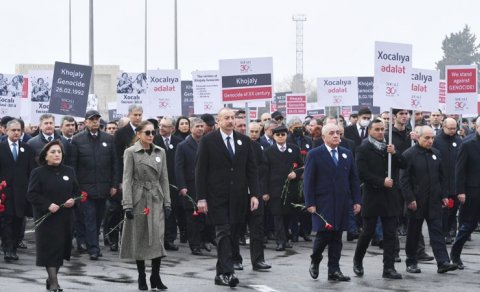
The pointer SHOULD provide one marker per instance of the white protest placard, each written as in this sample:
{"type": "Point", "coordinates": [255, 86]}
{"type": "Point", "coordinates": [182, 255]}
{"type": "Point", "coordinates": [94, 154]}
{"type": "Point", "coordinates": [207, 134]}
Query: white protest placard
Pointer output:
{"type": "Point", "coordinates": [164, 93]}
{"type": "Point", "coordinates": [131, 89]}
{"type": "Point", "coordinates": [425, 90]}
{"type": "Point", "coordinates": [207, 92]}
{"type": "Point", "coordinates": [337, 91]}
{"type": "Point", "coordinates": [11, 87]}
{"type": "Point", "coordinates": [39, 93]}
{"type": "Point", "coordinates": [392, 80]}
{"type": "Point", "coordinates": [246, 79]}
{"type": "Point", "coordinates": [461, 89]}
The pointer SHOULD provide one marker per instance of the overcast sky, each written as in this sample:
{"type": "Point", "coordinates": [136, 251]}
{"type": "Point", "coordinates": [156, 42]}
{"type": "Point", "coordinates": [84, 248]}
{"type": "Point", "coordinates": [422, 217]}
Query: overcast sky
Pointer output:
{"type": "Point", "coordinates": [339, 35]}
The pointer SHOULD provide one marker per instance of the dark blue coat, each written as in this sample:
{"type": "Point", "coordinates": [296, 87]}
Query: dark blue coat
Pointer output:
{"type": "Point", "coordinates": [331, 188]}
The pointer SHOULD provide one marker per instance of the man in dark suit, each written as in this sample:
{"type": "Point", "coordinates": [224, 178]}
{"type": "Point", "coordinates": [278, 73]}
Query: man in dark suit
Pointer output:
{"type": "Point", "coordinates": [468, 193]}
{"type": "Point", "coordinates": [226, 171]}
{"type": "Point", "coordinates": [169, 143]}
{"type": "Point", "coordinates": [359, 131]}
{"type": "Point", "coordinates": [185, 178]}
{"type": "Point", "coordinates": [423, 188]}
{"type": "Point", "coordinates": [95, 162]}
{"type": "Point", "coordinates": [267, 139]}
{"type": "Point", "coordinates": [448, 143]}
{"type": "Point", "coordinates": [123, 139]}
{"type": "Point", "coordinates": [330, 185]}
{"type": "Point", "coordinates": [17, 160]}
{"type": "Point", "coordinates": [381, 197]}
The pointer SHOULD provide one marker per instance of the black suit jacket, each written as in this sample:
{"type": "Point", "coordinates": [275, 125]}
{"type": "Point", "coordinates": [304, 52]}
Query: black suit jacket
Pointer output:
{"type": "Point", "coordinates": [185, 169]}
{"type": "Point", "coordinates": [123, 140]}
{"type": "Point", "coordinates": [351, 132]}
{"type": "Point", "coordinates": [224, 182]}
{"type": "Point", "coordinates": [16, 174]}
{"type": "Point", "coordinates": [170, 153]}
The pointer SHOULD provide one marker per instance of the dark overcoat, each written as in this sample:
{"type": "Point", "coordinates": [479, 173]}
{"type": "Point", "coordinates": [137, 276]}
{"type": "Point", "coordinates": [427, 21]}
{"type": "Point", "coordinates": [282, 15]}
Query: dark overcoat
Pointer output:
{"type": "Point", "coordinates": [53, 238]}
{"type": "Point", "coordinates": [170, 152]}
{"type": "Point", "coordinates": [467, 179]}
{"type": "Point", "coordinates": [423, 181]}
{"type": "Point", "coordinates": [448, 147]}
{"type": "Point", "coordinates": [372, 166]}
{"type": "Point", "coordinates": [16, 174]}
{"type": "Point", "coordinates": [185, 170]}
{"type": "Point", "coordinates": [224, 182]}
{"type": "Point", "coordinates": [331, 188]}
{"type": "Point", "coordinates": [277, 166]}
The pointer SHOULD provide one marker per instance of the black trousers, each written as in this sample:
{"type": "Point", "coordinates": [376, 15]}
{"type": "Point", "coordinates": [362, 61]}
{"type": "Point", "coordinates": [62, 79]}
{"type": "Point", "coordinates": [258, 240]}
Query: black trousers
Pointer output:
{"type": "Point", "coordinates": [389, 226]}
{"type": "Point", "coordinates": [281, 223]}
{"type": "Point", "coordinates": [176, 219]}
{"type": "Point", "coordinates": [437, 240]}
{"type": "Point", "coordinates": [225, 245]}
{"type": "Point", "coordinates": [11, 233]}
{"type": "Point", "coordinates": [195, 226]}
{"type": "Point", "coordinates": [334, 241]}
{"type": "Point", "coordinates": [113, 216]}
{"type": "Point", "coordinates": [450, 218]}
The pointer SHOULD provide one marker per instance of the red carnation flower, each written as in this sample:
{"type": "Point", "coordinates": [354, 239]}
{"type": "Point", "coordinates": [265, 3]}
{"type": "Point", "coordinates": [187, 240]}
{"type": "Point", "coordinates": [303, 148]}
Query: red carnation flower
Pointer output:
{"type": "Point", "coordinates": [146, 211]}
{"type": "Point", "coordinates": [3, 197]}
{"type": "Point", "coordinates": [2, 208]}
{"type": "Point", "coordinates": [328, 226]}
{"type": "Point", "coordinates": [303, 152]}
{"type": "Point", "coordinates": [295, 165]}
{"type": "Point", "coordinates": [195, 213]}
{"type": "Point", "coordinates": [84, 197]}
{"type": "Point", "coordinates": [451, 202]}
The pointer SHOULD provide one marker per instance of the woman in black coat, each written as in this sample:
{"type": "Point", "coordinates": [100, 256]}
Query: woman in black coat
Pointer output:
{"type": "Point", "coordinates": [280, 165]}
{"type": "Point", "coordinates": [182, 128]}
{"type": "Point", "coordinates": [52, 189]}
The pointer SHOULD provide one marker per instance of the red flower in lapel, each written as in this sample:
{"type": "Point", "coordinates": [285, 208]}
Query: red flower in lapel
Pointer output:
{"type": "Point", "coordinates": [295, 165]}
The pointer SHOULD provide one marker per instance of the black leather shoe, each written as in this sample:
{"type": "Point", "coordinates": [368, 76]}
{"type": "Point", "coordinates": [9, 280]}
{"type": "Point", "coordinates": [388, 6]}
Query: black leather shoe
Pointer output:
{"type": "Point", "coordinates": [414, 269]}
{"type": "Point", "coordinates": [156, 283]}
{"type": "Point", "coordinates": [314, 266]}
{"type": "Point", "coordinates": [222, 280]}
{"type": "Point", "coordinates": [391, 274]}
{"type": "Point", "coordinates": [458, 262]}
{"type": "Point", "coordinates": [8, 256]}
{"type": "Point", "coordinates": [171, 246]}
{"type": "Point", "coordinates": [14, 256]}
{"type": "Point", "coordinates": [114, 247]}
{"type": "Point", "coordinates": [142, 283]}
{"type": "Point", "coordinates": [446, 267]}
{"type": "Point", "coordinates": [448, 240]}
{"type": "Point", "coordinates": [22, 245]}
{"type": "Point", "coordinates": [358, 268]}
{"type": "Point", "coordinates": [307, 238]}
{"type": "Point", "coordinates": [261, 266]}
{"type": "Point", "coordinates": [207, 246]}
{"type": "Point", "coordinates": [238, 266]}
{"type": "Point", "coordinates": [338, 276]}
{"type": "Point", "coordinates": [94, 257]}
{"type": "Point", "coordinates": [280, 247]}
{"type": "Point", "coordinates": [425, 257]}
{"type": "Point", "coordinates": [197, 251]}
{"type": "Point", "coordinates": [233, 280]}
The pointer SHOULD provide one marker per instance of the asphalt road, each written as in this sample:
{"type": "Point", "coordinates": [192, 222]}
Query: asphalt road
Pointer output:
{"type": "Point", "coordinates": [181, 271]}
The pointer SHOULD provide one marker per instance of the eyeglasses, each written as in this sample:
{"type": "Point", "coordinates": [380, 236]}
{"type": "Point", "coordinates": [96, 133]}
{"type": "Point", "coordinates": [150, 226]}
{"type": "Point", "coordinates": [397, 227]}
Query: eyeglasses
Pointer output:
{"type": "Point", "coordinates": [148, 133]}
{"type": "Point", "coordinates": [280, 134]}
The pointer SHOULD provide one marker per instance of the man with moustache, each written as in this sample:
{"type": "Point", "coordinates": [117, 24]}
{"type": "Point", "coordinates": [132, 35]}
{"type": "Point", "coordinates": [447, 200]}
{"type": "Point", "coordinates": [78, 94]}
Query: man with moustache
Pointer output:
{"type": "Point", "coordinates": [226, 171]}
{"type": "Point", "coordinates": [423, 188]}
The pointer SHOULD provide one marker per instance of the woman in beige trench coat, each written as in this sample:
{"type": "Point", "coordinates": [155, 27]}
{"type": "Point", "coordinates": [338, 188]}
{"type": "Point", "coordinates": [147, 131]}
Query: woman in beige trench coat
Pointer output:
{"type": "Point", "coordinates": [145, 185]}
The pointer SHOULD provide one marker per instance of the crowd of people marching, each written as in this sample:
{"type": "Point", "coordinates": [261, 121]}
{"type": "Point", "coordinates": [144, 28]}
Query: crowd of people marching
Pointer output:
{"type": "Point", "coordinates": [213, 181]}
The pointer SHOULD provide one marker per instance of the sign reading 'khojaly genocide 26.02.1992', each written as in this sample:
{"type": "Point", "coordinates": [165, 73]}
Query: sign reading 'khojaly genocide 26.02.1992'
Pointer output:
{"type": "Point", "coordinates": [246, 79]}
{"type": "Point", "coordinates": [70, 88]}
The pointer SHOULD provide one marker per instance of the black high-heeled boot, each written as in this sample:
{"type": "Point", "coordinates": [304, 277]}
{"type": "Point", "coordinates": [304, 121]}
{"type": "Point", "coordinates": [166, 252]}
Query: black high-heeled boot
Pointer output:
{"type": "Point", "coordinates": [142, 278]}
{"type": "Point", "coordinates": [155, 280]}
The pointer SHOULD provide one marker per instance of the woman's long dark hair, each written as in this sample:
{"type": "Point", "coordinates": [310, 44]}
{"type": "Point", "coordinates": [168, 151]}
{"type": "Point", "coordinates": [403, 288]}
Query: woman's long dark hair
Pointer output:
{"type": "Point", "coordinates": [177, 131]}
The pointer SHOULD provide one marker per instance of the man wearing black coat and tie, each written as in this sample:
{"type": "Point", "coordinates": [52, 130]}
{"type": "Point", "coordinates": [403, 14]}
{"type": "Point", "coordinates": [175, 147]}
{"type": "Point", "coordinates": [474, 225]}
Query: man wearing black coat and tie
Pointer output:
{"type": "Point", "coordinates": [17, 160]}
{"type": "Point", "coordinates": [359, 131]}
{"type": "Point", "coordinates": [169, 143]}
{"type": "Point", "coordinates": [331, 184]}
{"type": "Point", "coordinates": [225, 173]}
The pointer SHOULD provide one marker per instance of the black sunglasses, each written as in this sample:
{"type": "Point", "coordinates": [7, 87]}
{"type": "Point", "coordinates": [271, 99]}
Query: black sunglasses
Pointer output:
{"type": "Point", "coordinates": [281, 134]}
{"type": "Point", "coordinates": [148, 133]}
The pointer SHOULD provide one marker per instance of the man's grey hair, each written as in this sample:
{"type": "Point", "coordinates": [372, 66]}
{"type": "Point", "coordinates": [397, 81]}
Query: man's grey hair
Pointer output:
{"type": "Point", "coordinates": [46, 116]}
{"type": "Point", "coordinates": [13, 122]}
{"type": "Point", "coordinates": [135, 107]}
{"type": "Point", "coordinates": [270, 123]}
{"type": "Point", "coordinates": [329, 127]}
{"type": "Point", "coordinates": [254, 124]}
{"type": "Point", "coordinates": [420, 130]}
{"type": "Point", "coordinates": [194, 121]}
{"type": "Point", "coordinates": [294, 121]}
{"type": "Point", "coordinates": [170, 120]}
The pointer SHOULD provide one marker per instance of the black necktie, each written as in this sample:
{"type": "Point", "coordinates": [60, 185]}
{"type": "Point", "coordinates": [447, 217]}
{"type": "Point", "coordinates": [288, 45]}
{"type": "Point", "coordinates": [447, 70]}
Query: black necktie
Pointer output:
{"type": "Point", "coordinates": [50, 138]}
{"type": "Point", "coordinates": [362, 135]}
{"type": "Point", "coordinates": [230, 149]}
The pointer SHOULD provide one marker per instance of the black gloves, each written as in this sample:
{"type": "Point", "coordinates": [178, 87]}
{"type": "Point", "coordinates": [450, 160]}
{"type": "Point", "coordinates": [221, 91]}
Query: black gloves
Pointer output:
{"type": "Point", "coordinates": [129, 213]}
{"type": "Point", "coordinates": [167, 210]}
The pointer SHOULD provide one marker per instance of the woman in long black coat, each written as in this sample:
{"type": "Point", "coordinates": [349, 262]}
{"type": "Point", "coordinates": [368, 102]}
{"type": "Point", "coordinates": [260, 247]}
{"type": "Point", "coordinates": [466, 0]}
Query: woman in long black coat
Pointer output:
{"type": "Point", "coordinates": [51, 186]}
{"type": "Point", "coordinates": [277, 168]}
